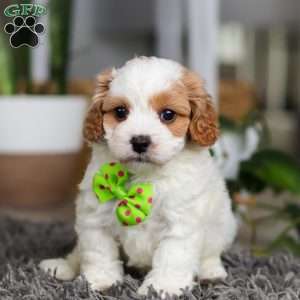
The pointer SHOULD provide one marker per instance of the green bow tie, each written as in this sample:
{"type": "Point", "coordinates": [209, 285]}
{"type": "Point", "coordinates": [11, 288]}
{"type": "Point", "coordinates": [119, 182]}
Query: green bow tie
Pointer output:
{"type": "Point", "coordinates": [134, 204]}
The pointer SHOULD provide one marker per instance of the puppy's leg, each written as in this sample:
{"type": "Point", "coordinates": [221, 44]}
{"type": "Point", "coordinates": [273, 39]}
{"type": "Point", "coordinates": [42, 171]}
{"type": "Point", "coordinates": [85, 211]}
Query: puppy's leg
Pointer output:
{"type": "Point", "coordinates": [62, 268]}
{"type": "Point", "coordinates": [99, 258]}
{"type": "Point", "coordinates": [212, 268]}
{"type": "Point", "coordinates": [175, 264]}
{"type": "Point", "coordinates": [98, 251]}
{"type": "Point", "coordinates": [217, 239]}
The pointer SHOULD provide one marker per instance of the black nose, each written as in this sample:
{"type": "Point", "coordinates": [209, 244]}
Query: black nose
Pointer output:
{"type": "Point", "coordinates": [140, 143]}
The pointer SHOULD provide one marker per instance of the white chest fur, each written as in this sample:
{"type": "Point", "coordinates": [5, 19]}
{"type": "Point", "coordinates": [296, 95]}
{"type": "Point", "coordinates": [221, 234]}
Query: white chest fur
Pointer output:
{"type": "Point", "coordinates": [184, 190]}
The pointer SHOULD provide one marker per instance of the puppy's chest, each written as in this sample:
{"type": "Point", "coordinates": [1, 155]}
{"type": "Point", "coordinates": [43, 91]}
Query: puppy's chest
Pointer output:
{"type": "Point", "coordinates": [140, 241]}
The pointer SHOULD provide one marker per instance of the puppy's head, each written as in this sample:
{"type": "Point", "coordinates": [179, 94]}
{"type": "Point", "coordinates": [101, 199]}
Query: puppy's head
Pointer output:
{"type": "Point", "coordinates": [147, 110]}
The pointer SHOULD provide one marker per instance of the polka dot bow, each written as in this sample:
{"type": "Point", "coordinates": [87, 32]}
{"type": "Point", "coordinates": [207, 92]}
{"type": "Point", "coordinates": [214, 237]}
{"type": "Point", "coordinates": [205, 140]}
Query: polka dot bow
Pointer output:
{"type": "Point", "coordinates": [135, 204]}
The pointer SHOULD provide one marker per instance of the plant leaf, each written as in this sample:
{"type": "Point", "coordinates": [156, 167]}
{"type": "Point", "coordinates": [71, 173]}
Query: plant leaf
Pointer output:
{"type": "Point", "coordinates": [293, 211]}
{"type": "Point", "coordinates": [274, 169]}
{"type": "Point", "coordinates": [286, 242]}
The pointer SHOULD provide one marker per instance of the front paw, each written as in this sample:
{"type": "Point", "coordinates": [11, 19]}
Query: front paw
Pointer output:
{"type": "Point", "coordinates": [171, 285]}
{"type": "Point", "coordinates": [59, 268]}
{"type": "Point", "coordinates": [100, 280]}
{"type": "Point", "coordinates": [212, 269]}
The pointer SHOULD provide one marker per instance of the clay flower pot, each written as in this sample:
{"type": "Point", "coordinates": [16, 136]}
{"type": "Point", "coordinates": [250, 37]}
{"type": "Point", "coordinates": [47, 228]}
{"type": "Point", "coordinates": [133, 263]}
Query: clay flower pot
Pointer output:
{"type": "Point", "coordinates": [40, 149]}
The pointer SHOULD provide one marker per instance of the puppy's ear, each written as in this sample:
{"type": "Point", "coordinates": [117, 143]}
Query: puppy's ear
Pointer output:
{"type": "Point", "coordinates": [203, 128]}
{"type": "Point", "coordinates": [93, 125]}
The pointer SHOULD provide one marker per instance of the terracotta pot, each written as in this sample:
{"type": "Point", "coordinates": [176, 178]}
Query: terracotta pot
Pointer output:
{"type": "Point", "coordinates": [41, 156]}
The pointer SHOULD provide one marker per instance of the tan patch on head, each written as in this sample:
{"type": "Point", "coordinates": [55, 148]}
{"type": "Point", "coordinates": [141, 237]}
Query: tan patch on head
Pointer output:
{"type": "Point", "coordinates": [196, 115]}
{"type": "Point", "coordinates": [93, 130]}
{"type": "Point", "coordinates": [109, 104]}
{"type": "Point", "coordinates": [93, 127]}
{"type": "Point", "coordinates": [102, 108]}
{"type": "Point", "coordinates": [176, 100]}
{"type": "Point", "coordinates": [203, 128]}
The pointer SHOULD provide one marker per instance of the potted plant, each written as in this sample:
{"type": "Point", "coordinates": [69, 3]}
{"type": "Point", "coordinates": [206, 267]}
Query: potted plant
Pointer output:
{"type": "Point", "coordinates": [40, 132]}
{"type": "Point", "coordinates": [263, 183]}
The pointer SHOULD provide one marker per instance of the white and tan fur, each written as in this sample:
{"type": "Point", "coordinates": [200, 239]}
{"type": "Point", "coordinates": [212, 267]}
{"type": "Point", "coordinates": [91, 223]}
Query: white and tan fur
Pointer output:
{"type": "Point", "coordinates": [191, 223]}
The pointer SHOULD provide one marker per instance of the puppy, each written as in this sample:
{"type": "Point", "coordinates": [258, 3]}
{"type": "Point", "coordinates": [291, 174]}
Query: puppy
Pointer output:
{"type": "Point", "coordinates": [155, 117]}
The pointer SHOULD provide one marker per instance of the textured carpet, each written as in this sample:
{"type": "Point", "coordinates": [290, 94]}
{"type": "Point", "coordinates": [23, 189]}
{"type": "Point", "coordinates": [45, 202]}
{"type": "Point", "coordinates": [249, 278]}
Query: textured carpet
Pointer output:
{"type": "Point", "coordinates": [23, 245]}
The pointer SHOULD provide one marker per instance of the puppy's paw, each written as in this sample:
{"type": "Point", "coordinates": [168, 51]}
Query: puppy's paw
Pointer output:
{"type": "Point", "coordinates": [100, 280]}
{"type": "Point", "coordinates": [171, 285]}
{"type": "Point", "coordinates": [58, 268]}
{"type": "Point", "coordinates": [212, 269]}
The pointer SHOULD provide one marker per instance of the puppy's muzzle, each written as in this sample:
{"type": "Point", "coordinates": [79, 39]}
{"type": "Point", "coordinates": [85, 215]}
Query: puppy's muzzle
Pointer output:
{"type": "Point", "coordinates": [140, 143]}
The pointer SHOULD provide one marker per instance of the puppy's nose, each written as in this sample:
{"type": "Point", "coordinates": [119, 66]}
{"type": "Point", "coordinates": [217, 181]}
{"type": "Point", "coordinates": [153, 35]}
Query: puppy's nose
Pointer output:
{"type": "Point", "coordinates": [140, 143]}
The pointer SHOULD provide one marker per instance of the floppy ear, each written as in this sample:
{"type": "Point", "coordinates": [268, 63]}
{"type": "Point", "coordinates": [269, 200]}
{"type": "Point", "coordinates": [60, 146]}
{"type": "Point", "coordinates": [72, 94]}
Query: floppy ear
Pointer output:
{"type": "Point", "coordinates": [93, 125]}
{"type": "Point", "coordinates": [203, 128]}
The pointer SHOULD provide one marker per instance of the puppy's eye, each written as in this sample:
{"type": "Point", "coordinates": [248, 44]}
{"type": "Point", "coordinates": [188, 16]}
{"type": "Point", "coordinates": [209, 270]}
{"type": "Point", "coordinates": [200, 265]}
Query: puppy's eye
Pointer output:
{"type": "Point", "coordinates": [121, 113]}
{"type": "Point", "coordinates": [167, 116]}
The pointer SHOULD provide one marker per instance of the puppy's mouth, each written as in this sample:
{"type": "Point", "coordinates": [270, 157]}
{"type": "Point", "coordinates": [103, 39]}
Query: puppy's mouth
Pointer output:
{"type": "Point", "coordinates": [139, 159]}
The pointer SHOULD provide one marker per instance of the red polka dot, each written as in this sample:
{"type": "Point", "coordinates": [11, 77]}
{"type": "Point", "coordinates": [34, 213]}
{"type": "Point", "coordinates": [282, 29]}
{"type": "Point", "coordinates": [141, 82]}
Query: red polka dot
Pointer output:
{"type": "Point", "coordinates": [106, 176]}
{"type": "Point", "coordinates": [123, 203]}
{"type": "Point", "coordinates": [139, 190]}
{"type": "Point", "coordinates": [121, 174]}
{"type": "Point", "coordinates": [137, 206]}
{"type": "Point", "coordinates": [112, 164]}
{"type": "Point", "coordinates": [127, 212]}
{"type": "Point", "coordinates": [138, 220]}
{"type": "Point", "coordinates": [101, 187]}
{"type": "Point", "coordinates": [150, 200]}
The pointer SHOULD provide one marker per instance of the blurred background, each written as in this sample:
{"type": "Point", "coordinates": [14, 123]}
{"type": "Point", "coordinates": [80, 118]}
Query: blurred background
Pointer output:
{"type": "Point", "coordinates": [248, 52]}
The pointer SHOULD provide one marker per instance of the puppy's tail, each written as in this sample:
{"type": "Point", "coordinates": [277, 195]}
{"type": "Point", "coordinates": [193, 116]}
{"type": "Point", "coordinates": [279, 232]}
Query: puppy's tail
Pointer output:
{"type": "Point", "coordinates": [63, 268]}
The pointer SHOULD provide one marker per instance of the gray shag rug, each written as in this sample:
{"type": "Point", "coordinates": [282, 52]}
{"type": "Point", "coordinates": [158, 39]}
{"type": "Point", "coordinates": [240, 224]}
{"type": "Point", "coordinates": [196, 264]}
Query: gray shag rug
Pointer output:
{"type": "Point", "coordinates": [23, 245]}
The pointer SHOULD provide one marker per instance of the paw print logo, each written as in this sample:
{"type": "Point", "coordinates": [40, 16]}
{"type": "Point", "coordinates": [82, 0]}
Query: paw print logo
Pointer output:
{"type": "Point", "coordinates": [24, 32]}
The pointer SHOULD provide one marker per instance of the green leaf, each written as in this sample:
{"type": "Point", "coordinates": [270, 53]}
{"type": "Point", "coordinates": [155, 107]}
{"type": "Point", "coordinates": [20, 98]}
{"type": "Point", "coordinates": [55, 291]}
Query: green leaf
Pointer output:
{"type": "Point", "coordinates": [293, 212]}
{"type": "Point", "coordinates": [60, 27]}
{"type": "Point", "coordinates": [7, 67]}
{"type": "Point", "coordinates": [286, 242]}
{"type": "Point", "coordinates": [251, 182]}
{"type": "Point", "coordinates": [274, 169]}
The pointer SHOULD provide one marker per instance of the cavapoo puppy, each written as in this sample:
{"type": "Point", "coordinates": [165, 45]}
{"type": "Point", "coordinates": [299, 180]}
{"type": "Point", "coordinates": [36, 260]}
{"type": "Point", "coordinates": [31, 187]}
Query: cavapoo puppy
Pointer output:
{"type": "Point", "coordinates": [155, 118]}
